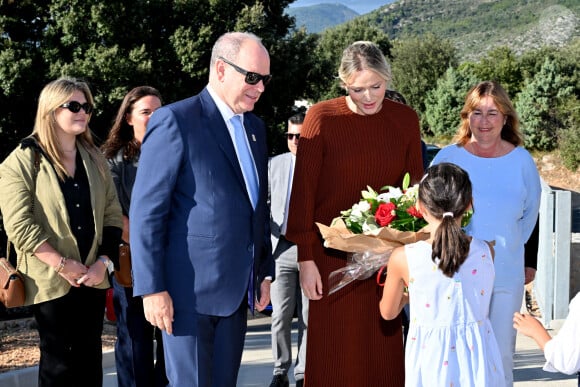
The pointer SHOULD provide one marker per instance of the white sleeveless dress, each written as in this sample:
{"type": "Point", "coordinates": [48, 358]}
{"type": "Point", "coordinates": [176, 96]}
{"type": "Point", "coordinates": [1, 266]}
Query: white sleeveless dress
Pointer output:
{"type": "Point", "coordinates": [451, 342]}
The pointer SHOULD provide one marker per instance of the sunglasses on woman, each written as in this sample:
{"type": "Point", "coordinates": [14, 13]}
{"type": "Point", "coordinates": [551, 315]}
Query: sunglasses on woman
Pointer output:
{"type": "Point", "coordinates": [251, 77]}
{"type": "Point", "coordinates": [76, 107]}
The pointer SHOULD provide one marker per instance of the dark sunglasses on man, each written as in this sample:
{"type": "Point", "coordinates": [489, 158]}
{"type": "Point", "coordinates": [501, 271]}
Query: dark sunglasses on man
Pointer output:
{"type": "Point", "coordinates": [75, 107]}
{"type": "Point", "coordinates": [251, 77]}
{"type": "Point", "coordinates": [291, 136]}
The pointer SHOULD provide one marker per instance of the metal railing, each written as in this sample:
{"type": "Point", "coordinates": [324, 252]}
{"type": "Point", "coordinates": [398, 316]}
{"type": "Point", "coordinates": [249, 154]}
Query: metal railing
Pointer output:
{"type": "Point", "coordinates": [552, 283]}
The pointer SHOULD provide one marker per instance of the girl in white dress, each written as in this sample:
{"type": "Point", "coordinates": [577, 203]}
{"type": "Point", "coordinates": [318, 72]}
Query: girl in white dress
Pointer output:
{"type": "Point", "coordinates": [450, 281]}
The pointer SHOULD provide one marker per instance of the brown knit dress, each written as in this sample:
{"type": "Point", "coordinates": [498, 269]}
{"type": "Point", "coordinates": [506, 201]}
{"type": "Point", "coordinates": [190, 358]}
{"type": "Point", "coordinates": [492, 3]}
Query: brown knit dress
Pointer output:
{"type": "Point", "coordinates": [340, 153]}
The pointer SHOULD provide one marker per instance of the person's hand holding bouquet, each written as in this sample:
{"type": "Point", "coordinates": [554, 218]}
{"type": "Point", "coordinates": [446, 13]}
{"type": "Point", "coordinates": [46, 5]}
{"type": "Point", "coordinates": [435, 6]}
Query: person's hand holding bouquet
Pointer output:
{"type": "Point", "coordinates": [372, 228]}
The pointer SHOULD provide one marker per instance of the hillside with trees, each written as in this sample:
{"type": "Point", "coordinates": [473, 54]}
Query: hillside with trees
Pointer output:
{"type": "Point", "coordinates": [122, 44]}
{"type": "Point", "coordinates": [434, 75]}
{"type": "Point", "coordinates": [475, 27]}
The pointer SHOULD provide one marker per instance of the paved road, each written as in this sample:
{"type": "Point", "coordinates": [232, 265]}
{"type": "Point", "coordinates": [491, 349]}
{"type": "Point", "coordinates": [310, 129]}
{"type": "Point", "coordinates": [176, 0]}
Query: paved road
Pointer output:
{"type": "Point", "coordinates": [256, 369]}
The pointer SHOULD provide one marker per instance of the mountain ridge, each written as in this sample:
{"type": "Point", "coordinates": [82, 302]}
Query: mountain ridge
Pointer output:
{"type": "Point", "coordinates": [359, 6]}
{"type": "Point", "coordinates": [474, 26]}
{"type": "Point", "coordinates": [316, 18]}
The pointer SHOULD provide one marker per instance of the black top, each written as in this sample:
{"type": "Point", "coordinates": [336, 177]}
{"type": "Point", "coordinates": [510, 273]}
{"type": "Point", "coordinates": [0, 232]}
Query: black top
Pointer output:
{"type": "Point", "coordinates": [531, 248]}
{"type": "Point", "coordinates": [124, 172]}
{"type": "Point", "coordinates": [77, 197]}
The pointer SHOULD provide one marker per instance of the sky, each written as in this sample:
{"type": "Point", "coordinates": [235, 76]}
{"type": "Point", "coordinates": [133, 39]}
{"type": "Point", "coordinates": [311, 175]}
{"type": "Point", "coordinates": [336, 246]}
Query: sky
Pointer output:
{"type": "Point", "coordinates": [359, 6]}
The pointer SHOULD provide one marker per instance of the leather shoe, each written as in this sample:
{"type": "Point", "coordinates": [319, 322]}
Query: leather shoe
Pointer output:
{"type": "Point", "coordinates": [280, 380]}
{"type": "Point", "coordinates": [300, 383]}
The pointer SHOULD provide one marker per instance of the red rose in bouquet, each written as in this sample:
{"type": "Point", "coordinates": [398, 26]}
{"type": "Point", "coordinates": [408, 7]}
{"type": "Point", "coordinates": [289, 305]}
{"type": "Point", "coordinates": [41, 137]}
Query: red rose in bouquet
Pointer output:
{"type": "Point", "coordinates": [413, 211]}
{"type": "Point", "coordinates": [385, 214]}
{"type": "Point", "coordinates": [372, 228]}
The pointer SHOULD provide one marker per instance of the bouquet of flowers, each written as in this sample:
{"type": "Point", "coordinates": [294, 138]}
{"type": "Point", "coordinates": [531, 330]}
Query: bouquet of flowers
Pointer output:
{"type": "Point", "coordinates": [394, 208]}
{"type": "Point", "coordinates": [372, 228]}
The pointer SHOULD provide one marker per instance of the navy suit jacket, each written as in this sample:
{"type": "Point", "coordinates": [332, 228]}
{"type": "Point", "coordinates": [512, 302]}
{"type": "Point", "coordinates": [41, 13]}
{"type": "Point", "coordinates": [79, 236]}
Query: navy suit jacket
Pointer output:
{"type": "Point", "coordinates": [194, 231]}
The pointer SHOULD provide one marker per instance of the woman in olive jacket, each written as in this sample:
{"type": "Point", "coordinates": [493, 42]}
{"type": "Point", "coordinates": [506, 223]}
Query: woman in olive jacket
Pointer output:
{"type": "Point", "coordinates": [61, 212]}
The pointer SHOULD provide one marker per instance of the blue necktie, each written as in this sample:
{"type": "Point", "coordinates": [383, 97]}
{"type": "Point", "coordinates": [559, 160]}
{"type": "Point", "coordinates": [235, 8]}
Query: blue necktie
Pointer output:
{"type": "Point", "coordinates": [246, 161]}
{"type": "Point", "coordinates": [249, 172]}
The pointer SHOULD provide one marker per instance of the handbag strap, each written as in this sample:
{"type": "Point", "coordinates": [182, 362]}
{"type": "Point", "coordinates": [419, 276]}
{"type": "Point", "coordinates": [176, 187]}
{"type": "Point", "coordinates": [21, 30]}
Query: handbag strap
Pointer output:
{"type": "Point", "coordinates": [36, 169]}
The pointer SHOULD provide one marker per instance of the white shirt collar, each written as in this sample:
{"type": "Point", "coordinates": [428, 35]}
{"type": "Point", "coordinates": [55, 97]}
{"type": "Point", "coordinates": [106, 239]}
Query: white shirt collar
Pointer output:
{"type": "Point", "coordinates": [223, 108]}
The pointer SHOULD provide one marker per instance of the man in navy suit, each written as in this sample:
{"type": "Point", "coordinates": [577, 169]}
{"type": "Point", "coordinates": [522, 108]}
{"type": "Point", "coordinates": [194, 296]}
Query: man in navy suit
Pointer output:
{"type": "Point", "coordinates": [199, 217]}
{"type": "Point", "coordinates": [286, 291]}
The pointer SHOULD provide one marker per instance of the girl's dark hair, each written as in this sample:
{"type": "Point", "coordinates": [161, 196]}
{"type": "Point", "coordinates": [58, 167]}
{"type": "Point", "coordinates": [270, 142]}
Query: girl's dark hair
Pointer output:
{"type": "Point", "coordinates": [445, 191]}
{"type": "Point", "coordinates": [121, 135]}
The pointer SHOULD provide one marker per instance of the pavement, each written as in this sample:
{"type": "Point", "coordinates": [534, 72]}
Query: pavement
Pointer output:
{"type": "Point", "coordinates": [257, 364]}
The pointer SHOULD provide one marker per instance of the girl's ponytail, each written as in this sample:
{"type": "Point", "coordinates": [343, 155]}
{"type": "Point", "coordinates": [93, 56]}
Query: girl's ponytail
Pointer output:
{"type": "Point", "coordinates": [451, 245]}
{"type": "Point", "coordinates": [445, 191]}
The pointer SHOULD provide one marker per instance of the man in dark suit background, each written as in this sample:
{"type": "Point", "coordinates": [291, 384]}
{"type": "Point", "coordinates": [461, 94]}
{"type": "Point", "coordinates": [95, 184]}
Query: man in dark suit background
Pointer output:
{"type": "Point", "coordinates": [286, 291]}
{"type": "Point", "coordinates": [199, 217]}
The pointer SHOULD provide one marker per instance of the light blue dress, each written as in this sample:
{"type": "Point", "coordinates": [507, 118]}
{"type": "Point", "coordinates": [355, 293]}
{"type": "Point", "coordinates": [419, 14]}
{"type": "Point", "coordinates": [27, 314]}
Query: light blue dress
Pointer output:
{"type": "Point", "coordinates": [506, 200]}
{"type": "Point", "coordinates": [451, 340]}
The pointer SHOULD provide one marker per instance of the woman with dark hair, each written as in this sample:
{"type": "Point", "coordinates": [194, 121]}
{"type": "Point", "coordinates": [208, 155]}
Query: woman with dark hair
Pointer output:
{"type": "Point", "coordinates": [450, 281]}
{"type": "Point", "coordinates": [61, 212]}
{"type": "Point", "coordinates": [135, 351]}
{"type": "Point", "coordinates": [506, 199]}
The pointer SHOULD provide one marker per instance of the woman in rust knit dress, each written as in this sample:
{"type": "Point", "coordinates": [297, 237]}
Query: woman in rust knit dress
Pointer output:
{"type": "Point", "coordinates": [346, 144]}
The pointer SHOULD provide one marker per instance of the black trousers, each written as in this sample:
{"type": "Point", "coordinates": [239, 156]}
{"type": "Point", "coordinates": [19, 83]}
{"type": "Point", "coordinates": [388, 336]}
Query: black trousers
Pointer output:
{"type": "Point", "coordinates": [70, 330]}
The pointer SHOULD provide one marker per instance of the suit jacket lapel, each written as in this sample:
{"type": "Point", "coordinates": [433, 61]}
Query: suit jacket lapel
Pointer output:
{"type": "Point", "coordinates": [214, 122]}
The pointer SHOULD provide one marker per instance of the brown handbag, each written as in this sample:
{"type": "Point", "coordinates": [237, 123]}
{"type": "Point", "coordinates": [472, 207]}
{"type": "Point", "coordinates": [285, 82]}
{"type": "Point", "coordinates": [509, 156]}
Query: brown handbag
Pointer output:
{"type": "Point", "coordinates": [123, 275]}
{"type": "Point", "coordinates": [12, 293]}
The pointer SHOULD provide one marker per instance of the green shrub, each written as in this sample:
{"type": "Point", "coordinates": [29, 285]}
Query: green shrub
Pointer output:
{"type": "Point", "coordinates": [569, 136]}
{"type": "Point", "coordinates": [570, 148]}
{"type": "Point", "coordinates": [537, 106]}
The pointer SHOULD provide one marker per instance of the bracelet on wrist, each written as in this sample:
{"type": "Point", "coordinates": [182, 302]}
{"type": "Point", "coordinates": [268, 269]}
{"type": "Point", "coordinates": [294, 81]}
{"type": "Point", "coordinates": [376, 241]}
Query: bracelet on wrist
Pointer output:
{"type": "Point", "coordinates": [60, 266]}
{"type": "Point", "coordinates": [104, 261]}
{"type": "Point", "coordinates": [107, 263]}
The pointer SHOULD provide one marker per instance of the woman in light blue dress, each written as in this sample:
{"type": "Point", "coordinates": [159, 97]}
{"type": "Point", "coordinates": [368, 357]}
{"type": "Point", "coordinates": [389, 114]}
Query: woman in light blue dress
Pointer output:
{"type": "Point", "coordinates": [506, 198]}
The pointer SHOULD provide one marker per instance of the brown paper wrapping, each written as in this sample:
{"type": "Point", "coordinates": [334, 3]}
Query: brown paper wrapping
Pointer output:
{"type": "Point", "coordinates": [381, 240]}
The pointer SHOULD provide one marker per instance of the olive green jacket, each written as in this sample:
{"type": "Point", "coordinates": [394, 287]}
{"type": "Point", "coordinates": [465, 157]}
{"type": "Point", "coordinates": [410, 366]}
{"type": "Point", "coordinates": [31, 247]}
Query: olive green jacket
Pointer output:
{"type": "Point", "coordinates": [34, 212]}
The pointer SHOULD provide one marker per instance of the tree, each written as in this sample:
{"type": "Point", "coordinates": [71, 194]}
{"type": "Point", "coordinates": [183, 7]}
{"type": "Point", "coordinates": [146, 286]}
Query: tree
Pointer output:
{"type": "Point", "coordinates": [443, 104]}
{"type": "Point", "coordinates": [417, 65]}
{"type": "Point", "coordinates": [502, 66]}
{"type": "Point", "coordinates": [537, 107]}
{"type": "Point", "coordinates": [291, 59]}
{"type": "Point", "coordinates": [566, 58]}
{"type": "Point", "coordinates": [569, 136]}
{"type": "Point", "coordinates": [119, 44]}
{"type": "Point", "coordinates": [21, 68]}
{"type": "Point", "coordinates": [322, 77]}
